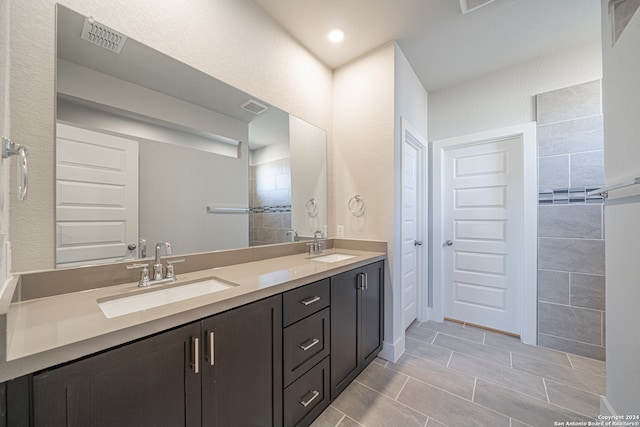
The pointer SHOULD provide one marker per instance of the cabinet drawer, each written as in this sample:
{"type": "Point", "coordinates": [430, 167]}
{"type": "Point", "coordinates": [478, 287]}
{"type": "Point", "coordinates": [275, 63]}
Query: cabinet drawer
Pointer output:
{"type": "Point", "coordinates": [306, 398]}
{"type": "Point", "coordinates": [301, 302]}
{"type": "Point", "coordinates": [305, 344]}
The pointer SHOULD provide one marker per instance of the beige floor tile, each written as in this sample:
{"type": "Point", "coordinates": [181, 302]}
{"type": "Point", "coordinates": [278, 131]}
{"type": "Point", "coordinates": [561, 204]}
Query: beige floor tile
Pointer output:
{"type": "Point", "coordinates": [523, 408]}
{"type": "Point", "coordinates": [383, 380]}
{"type": "Point", "coordinates": [436, 375]}
{"type": "Point", "coordinates": [434, 423]}
{"type": "Point", "coordinates": [579, 401]}
{"type": "Point", "coordinates": [423, 334]}
{"type": "Point", "coordinates": [597, 367]}
{"type": "Point", "coordinates": [514, 345]}
{"type": "Point", "coordinates": [516, 423]}
{"type": "Point", "coordinates": [561, 374]}
{"type": "Point", "coordinates": [430, 352]}
{"type": "Point", "coordinates": [474, 349]}
{"type": "Point", "coordinates": [455, 329]}
{"type": "Point", "coordinates": [348, 422]}
{"type": "Point", "coordinates": [330, 417]}
{"type": "Point", "coordinates": [448, 409]}
{"type": "Point", "coordinates": [380, 361]}
{"type": "Point", "coordinates": [505, 376]}
{"type": "Point", "coordinates": [372, 409]}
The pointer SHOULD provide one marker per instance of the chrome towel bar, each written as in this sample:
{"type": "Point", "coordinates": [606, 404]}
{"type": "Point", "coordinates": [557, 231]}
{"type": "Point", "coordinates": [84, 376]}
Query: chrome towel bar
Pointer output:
{"type": "Point", "coordinates": [604, 192]}
{"type": "Point", "coordinates": [213, 210]}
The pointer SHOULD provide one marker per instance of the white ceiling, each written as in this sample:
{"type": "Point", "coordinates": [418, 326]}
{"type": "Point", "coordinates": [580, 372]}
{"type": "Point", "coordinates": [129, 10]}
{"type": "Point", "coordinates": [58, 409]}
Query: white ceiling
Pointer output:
{"type": "Point", "coordinates": [443, 46]}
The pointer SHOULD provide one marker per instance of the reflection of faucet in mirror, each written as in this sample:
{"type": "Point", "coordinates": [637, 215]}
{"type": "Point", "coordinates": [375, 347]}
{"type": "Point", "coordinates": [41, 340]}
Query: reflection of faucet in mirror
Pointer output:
{"type": "Point", "coordinates": [293, 235]}
{"type": "Point", "coordinates": [143, 247]}
{"type": "Point", "coordinates": [157, 265]}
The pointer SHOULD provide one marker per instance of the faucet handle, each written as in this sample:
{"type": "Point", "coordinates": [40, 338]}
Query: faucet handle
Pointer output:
{"type": "Point", "coordinates": [144, 273]}
{"type": "Point", "coordinates": [170, 271]}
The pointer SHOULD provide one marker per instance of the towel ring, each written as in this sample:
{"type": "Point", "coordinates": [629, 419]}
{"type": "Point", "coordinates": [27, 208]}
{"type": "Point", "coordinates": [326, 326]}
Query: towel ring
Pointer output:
{"type": "Point", "coordinates": [10, 148]}
{"type": "Point", "coordinates": [356, 205]}
{"type": "Point", "coordinates": [311, 207]}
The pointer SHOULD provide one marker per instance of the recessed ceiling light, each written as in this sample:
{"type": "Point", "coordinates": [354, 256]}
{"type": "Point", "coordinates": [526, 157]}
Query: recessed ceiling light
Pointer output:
{"type": "Point", "coordinates": [336, 35]}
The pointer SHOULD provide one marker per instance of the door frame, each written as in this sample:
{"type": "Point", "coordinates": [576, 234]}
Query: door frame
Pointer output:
{"type": "Point", "coordinates": [529, 296]}
{"type": "Point", "coordinates": [422, 262]}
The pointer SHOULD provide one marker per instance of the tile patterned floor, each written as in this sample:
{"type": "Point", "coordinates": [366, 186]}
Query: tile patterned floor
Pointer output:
{"type": "Point", "coordinates": [456, 375]}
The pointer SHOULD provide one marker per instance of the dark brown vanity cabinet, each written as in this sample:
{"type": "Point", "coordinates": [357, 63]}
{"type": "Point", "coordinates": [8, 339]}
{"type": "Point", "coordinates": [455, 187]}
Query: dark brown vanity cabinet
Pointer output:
{"type": "Point", "coordinates": [274, 362]}
{"type": "Point", "coordinates": [223, 371]}
{"type": "Point", "coordinates": [306, 342]}
{"type": "Point", "coordinates": [356, 323]}
{"type": "Point", "coordinates": [242, 366]}
{"type": "Point", "coordinates": [149, 382]}
{"type": "Point", "coordinates": [3, 404]}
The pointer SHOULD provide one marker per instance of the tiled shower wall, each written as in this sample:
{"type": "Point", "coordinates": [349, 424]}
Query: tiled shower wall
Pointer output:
{"type": "Point", "coordinates": [571, 281]}
{"type": "Point", "coordinates": [270, 202]}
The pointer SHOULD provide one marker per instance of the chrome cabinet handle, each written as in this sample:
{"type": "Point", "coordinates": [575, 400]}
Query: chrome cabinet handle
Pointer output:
{"type": "Point", "coordinates": [212, 348]}
{"type": "Point", "coordinates": [448, 242]}
{"type": "Point", "coordinates": [195, 354]}
{"type": "Point", "coordinates": [363, 281]}
{"type": "Point", "coordinates": [305, 402]}
{"type": "Point", "coordinates": [310, 300]}
{"type": "Point", "coordinates": [308, 344]}
{"type": "Point", "coordinates": [417, 243]}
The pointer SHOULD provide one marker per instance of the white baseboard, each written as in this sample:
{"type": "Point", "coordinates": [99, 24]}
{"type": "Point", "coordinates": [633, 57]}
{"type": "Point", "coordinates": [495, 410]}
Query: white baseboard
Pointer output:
{"type": "Point", "coordinates": [392, 351]}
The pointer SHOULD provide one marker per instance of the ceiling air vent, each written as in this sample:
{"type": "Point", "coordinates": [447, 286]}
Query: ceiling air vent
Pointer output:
{"type": "Point", "coordinates": [254, 107]}
{"type": "Point", "coordinates": [102, 36]}
{"type": "Point", "coordinates": [471, 5]}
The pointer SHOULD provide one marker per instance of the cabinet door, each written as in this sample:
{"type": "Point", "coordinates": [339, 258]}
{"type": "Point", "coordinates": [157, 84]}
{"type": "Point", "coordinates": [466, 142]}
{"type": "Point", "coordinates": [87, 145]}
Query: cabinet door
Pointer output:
{"type": "Point", "coordinates": [149, 382]}
{"type": "Point", "coordinates": [3, 405]}
{"type": "Point", "coordinates": [344, 330]}
{"type": "Point", "coordinates": [371, 320]}
{"type": "Point", "coordinates": [242, 367]}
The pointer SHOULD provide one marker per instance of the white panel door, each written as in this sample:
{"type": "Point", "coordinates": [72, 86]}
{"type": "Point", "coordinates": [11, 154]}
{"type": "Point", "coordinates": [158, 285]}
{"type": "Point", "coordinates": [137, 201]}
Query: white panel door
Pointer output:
{"type": "Point", "coordinates": [414, 193]}
{"type": "Point", "coordinates": [96, 196]}
{"type": "Point", "coordinates": [409, 233]}
{"type": "Point", "coordinates": [483, 231]}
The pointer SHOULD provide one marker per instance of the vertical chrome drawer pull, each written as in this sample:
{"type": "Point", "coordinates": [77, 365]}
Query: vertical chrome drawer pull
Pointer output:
{"type": "Point", "coordinates": [306, 402]}
{"type": "Point", "coordinates": [310, 300]}
{"type": "Point", "coordinates": [195, 354]}
{"type": "Point", "coordinates": [308, 344]}
{"type": "Point", "coordinates": [212, 348]}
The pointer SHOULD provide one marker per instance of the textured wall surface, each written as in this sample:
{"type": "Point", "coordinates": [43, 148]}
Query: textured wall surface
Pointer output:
{"type": "Point", "coordinates": [234, 41]}
{"type": "Point", "coordinates": [4, 131]}
{"type": "Point", "coordinates": [507, 97]}
{"type": "Point", "coordinates": [571, 261]}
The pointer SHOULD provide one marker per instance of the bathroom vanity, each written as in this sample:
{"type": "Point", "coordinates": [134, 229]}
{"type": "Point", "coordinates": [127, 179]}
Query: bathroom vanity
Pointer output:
{"type": "Point", "coordinates": [273, 349]}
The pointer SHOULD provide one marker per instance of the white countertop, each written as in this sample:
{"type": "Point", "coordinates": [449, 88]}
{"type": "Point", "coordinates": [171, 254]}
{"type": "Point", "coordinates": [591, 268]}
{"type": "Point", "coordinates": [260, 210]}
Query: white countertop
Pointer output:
{"type": "Point", "coordinates": [43, 332]}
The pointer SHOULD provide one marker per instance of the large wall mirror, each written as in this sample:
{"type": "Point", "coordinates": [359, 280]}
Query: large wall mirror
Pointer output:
{"type": "Point", "coordinates": [149, 149]}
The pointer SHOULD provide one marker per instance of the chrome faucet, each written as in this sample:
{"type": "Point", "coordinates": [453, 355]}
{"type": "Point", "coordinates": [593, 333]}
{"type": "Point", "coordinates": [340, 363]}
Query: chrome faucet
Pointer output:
{"type": "Point", "coordinates": [315, 247]}
{"type": "Point", "coordinates": [158, 277]}
{"type": "Point", "coordinates": [157, 265]}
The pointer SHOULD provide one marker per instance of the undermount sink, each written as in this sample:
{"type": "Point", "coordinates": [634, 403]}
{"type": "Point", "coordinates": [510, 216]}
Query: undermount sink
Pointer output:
{"type": "Point", "coordinates": [115, 307]}
{"type": "Point", "coordinates": [333, 257]}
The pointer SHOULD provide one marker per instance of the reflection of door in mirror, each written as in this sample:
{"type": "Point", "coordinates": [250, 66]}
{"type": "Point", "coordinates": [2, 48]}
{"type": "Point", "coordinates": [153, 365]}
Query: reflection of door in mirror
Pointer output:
{"type": "Point", "coordinates": [96, 196]}
{"type": "Point", "coordinates": [194, 134]}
